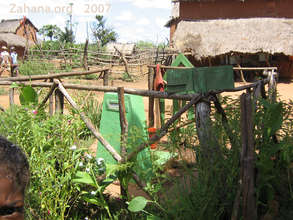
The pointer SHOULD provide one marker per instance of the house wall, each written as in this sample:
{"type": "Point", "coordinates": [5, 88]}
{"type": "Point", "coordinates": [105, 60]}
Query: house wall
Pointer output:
{"type": "Point", "coordinates": [173, 27]}
{"type": "Point", "coordinates": [30, 31]}
{"type": "Point", "coordinates": [236, 9]}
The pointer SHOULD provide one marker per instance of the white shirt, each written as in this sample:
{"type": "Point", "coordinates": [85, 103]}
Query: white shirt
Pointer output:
{"type": "Point", "coordinates": [4, 53]}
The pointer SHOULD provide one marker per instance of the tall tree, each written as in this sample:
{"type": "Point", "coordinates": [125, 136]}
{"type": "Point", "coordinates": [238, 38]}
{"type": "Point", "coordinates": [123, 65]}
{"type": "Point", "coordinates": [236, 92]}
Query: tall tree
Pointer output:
{"type": "Point", "coordinates": [50, 31]}
{"type": "Point", "coordinates": [101, 33]}
{"type": "Point", "coordinates": [67, 36]}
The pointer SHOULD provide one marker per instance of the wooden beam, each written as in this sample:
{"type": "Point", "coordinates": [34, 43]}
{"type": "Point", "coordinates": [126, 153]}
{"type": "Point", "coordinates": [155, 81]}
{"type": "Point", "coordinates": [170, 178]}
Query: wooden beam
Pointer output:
{"type": "Point", "coordinates": [163, 131]}
{"type": "Point", "coordinates": [51, 76]}
{"type": "Point", "coordinates": [53, 87]}
{"type": "Point", "coordinates": [147, 93]}
{"type": "Point", "coordinates": [88, 123]}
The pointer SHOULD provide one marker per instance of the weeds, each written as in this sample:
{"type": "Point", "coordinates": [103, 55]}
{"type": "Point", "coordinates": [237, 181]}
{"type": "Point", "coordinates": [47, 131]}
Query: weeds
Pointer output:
{"type": "Point", "coordinates": [61, 167]}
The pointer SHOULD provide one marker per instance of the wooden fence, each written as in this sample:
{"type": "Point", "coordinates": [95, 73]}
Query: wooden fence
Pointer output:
{"type": "Point", "coordinates": [202, 102]}
{"type": "Point", "coordinates": [84, 58]}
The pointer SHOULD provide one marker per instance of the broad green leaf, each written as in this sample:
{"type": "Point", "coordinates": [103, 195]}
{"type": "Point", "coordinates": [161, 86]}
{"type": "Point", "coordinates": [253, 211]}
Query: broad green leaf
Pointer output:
{"type": "Point", "coordinates": [84, 177]}
{"type": "Point", "coordinates": [28, 96]}
{"type": "Point", "coordinates": [137, 204]}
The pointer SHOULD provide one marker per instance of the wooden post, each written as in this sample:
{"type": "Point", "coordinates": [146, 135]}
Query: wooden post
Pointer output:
{"type": "Point", "coordinates": [59, 102]}
{"type": "Point", "coordinates": [124, 61]}
{"type": "Point", "coordinates": [48, 96]}
{"type": "Point", "coordinates": [85, 55]}
{"type": "Point", "coordinates": [151, 99]}
{"type": "Point", "coordinates": [11, 90]}
{"type": "Point", "coordinates": [202, 115]}
{"type": "Point", "coordinates": [123, 138]}
{"type": "Point", "coordinates": [106, 78]}
{"type": "Point", "coordinates": [272, 86]}
{"type": "Point", "coordinates": [51, 103]}
{"type": "Point", "coordinates": [249, 208]}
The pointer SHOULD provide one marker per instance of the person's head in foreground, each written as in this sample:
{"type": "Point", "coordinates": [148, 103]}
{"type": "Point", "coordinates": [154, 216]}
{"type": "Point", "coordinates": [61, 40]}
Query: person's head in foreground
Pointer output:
{"type": "Point", "coordinates": [14, 178]}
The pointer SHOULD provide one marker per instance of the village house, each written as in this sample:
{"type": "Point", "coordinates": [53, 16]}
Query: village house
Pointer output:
{"type": "Point", "coordinates": [238, 32]}
{"type": "Point", "coordinates": [19, 33]}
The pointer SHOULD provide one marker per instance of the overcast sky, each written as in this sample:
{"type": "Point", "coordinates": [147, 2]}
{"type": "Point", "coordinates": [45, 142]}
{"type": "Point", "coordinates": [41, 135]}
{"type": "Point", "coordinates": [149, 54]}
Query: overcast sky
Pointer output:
{"type": "Point", "coordinates": [133, 20]}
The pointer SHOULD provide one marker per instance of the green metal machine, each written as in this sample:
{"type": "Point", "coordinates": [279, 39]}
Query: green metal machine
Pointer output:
{"type": "Point", "coordinates": [137, 132]}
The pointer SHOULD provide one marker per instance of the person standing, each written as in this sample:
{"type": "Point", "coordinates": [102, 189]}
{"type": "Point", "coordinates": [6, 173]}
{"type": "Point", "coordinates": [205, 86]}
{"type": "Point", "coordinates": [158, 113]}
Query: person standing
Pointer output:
{"type": "Point", "coordinates": [14, 65]}
{"type": "Point", "coordinates": [5, 60]}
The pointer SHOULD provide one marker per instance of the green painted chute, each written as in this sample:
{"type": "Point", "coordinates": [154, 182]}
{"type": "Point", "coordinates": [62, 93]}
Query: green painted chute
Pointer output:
{"type": "Point", "coordinates": [137, 132]}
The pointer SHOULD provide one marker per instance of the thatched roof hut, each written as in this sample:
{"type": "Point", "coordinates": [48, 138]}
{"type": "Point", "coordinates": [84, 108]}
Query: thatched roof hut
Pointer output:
{"type": "Point", "coordinates": [12, 25]}
{"type": "Point", "coordinates": [10, 39]}
{"type": "Point", "coordinates": [210, 38]}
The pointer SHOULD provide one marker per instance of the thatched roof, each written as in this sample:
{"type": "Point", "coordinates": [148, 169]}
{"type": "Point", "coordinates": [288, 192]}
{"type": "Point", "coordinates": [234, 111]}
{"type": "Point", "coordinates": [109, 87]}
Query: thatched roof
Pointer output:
{"type": "Point", "coordinates": [14, 40]}
{"type": "Point", "coordinates": [11, 25]}
{"type": "Point", "coordinates": [210, 38]}
{"type": "Point", "coordinates": [126, 49]}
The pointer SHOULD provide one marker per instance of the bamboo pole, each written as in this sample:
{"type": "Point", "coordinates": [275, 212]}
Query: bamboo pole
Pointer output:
{"type": "Point", "coordinates": [51, 76]}
{"type": "Point", "coordinates": [88, 123]}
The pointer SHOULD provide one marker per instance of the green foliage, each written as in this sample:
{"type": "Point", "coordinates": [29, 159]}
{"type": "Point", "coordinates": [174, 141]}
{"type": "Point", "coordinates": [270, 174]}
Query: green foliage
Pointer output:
{"type": "Point", "coordinates": [46, 141]}
{"type": "Point", "coordinates": [51, 31]}
{"type": "Point", "coordinates": [36, 67]}
{"type": "Point", "coordinates": [137, 204]}
{"type": "Point", "coordinates": [61, 167]}
{"type": "Point", "coordinates": [67, 36]}
{"type": "Point", "coordinates": [144, 44]}
{"type": "Point", "coordinates": [28, 96]}
{"type": "Point", "coordinates": [101, 33]}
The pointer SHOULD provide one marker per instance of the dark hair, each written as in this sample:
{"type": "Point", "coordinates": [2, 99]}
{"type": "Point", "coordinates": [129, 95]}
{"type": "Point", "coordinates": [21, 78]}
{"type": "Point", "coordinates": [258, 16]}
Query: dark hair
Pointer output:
{"type": "Point", "coordinates": [14, 163]}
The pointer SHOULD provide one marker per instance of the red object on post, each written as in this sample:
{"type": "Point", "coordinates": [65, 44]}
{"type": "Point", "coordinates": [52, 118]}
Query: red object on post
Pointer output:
{"type": "Point", "coordinates": [152, 132]}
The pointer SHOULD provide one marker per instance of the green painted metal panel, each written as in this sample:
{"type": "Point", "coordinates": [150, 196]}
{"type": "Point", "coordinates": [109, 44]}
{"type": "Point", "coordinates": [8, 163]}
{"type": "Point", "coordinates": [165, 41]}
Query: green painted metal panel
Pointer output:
{"type": "Point", "coordinates": [180, 81]}
{"type": "Point", "coordinates": [181, 60]}
{"type": "Point", "coordinates": [200, 80]}
{"type": "Point", "coordinates": [213, 78]}
{"type": "Point", "coordinates": [137, 133]}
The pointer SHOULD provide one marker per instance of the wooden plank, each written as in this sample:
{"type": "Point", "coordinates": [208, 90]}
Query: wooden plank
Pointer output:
{"type": "Point", "coordinates": [249, 208]}
{"type": "Point", "coordinates": [51, 76]}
